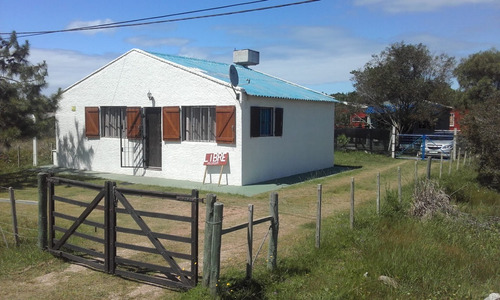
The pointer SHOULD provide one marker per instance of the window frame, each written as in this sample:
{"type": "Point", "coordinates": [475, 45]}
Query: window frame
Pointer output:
{"type": "Point", "coordinates": [199, 123]}
{"type": "Point", "coordinates": [266, 121]}
{"type": "Point", "coordinates": [112, 119]}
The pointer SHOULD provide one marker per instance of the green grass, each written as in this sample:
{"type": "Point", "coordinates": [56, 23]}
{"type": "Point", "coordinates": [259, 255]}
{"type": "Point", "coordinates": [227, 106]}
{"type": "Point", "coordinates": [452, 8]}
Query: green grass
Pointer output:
{"type": "Point", "coordinates": [439, 258]}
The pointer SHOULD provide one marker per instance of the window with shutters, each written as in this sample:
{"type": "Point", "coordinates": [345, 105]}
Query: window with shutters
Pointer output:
{"type": "Point", "coordinates": [112, 120]}
{"type": "Point", "coordinates": [266, 121]}
{"type": "Point", "coordinates": [198, 123]}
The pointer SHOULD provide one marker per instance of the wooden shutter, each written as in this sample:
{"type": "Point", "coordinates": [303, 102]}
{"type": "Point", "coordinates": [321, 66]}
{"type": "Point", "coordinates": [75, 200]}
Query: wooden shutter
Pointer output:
{"type": "Point", "coordinates": [225, 124]}
{"type": "Point", "coordinates": [278, 121]}
{"type": "Point", "coordinates": [134, 123]}
{"type": "Point", "coordinates": [92, 122]}
{"type": "Point", "coordinates": [254, 121]}
{"type": "Point", "coordinates": [171, 123]}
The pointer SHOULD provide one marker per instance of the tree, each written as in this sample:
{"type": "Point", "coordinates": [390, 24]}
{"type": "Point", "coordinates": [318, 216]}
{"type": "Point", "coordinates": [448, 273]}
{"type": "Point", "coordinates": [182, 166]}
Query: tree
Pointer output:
{"type": "Point", "coordinates": [404, 85]}
{"type": "Point", "coordinates": [479, 77]}
{"type": "Point", "coordinates": [24, 110]}
{"type": "Point", "coordinates": [345, 109]}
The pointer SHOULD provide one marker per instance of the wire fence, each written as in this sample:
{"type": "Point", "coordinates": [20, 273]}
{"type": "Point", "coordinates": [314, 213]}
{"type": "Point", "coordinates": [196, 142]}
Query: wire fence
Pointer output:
{"type": "Point", "coordinates": [18, 221]}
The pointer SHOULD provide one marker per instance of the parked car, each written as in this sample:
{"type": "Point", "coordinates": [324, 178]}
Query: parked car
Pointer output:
{"type": "Point", "coordinates": [434, 148]}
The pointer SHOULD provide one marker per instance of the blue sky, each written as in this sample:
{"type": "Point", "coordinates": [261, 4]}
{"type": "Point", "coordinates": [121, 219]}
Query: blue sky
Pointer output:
{"type": "Point", "coordinates": [316, 44]}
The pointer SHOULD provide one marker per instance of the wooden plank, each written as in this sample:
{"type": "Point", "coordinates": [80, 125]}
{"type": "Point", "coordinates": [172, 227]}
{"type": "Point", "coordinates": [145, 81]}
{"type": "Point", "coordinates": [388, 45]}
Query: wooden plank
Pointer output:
{"type": "Point", "coordinates": [80, 220]}
{"type": "Point", "coordinates": [90, 263]}
{"type": "Point", "coordinates": [87, 251]}
{"type": "Point", "coordinates": [143, 213]}
{"type": "Point", "coordinates": [71, 218]}
{"type": "Point", "coordinates": [82, 235]}
{"type": "Point", "coordinates": [158, 235]}
{"type": "Point", "coordinates": [60, 180]}
{"type": "Point", "coordinates": [156, 280]}
{"type": "Point", "coordinates": [152, 250]}
{"type": "Point", "coordinates": [245, 225]}
{"type": "Point", "coordinates": [155, 194]}
{"type": "Point", "coordinates": [194, 235]}
{"type": "Point", "coordinates": [167, 271]}
{"type": "Point", "coordinates": [75, 202]}
{"type": "Point", "coordinates": [145, 228]}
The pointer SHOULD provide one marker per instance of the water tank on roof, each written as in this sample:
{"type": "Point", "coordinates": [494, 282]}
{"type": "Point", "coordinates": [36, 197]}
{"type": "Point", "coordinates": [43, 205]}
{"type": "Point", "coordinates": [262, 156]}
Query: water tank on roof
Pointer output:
{"type": "Point", "coordinates": [246, 57]}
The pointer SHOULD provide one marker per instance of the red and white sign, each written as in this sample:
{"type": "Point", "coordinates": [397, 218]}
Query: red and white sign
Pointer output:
{"type": "Point", "coordinates": [216, 159]}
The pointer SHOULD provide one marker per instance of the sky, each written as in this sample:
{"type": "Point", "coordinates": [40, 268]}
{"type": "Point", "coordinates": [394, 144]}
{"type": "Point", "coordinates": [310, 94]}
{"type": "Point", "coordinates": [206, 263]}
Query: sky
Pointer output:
{"type": "Point", "coordinates": [316, 44]}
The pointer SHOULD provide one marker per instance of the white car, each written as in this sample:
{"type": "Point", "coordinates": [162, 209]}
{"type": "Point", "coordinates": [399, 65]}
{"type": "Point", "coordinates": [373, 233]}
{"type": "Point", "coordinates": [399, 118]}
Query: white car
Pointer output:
{"type": "Point", "coordinates": [436, 147]}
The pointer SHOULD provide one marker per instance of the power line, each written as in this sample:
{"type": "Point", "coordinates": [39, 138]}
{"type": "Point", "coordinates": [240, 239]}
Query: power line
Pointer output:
{"type": "Point", "coordinates": [104, 26]}
{"type": "Point", "coordinates": [127, 23]}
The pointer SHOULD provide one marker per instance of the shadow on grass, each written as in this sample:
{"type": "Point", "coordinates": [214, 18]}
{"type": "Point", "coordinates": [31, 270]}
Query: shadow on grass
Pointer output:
{"type": "Point", "coordinates": [236, 287]}
{"type": "Point", "coordinates": [310, 175]}
{"type": "Point", "coordinates": [28, 178]}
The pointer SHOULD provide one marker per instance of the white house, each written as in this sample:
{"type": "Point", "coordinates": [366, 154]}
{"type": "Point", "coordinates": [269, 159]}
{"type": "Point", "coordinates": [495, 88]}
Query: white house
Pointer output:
{"type": "Point", "coordinates": [149, 114]}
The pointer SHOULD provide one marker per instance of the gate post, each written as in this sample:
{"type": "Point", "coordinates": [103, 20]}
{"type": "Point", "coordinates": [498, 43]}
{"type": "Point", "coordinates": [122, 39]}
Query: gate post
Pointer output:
{"type": "Point", "coordinates": [42, 210]}
{"type": "Point", "coordinates": [273, 239]}
{"type": "Point", "coordinates": [207, 247]}
{"type": "Point", "coordinates": [216, 244]}
{"type": "Point", "coordinates": [194, 235]}
{"type": "Point", "coordinates": [109, 227]}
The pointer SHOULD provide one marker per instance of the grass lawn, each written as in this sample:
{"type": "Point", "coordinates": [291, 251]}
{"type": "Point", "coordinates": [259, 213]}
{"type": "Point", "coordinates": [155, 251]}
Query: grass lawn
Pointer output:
{"type": "Point", "coordinates": [441, 257]}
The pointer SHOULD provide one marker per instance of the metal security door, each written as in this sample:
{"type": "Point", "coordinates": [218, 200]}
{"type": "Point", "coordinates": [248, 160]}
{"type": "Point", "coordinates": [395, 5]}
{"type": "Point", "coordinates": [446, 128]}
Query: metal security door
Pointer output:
{"type": "Point", "coordinates": [153, 137]}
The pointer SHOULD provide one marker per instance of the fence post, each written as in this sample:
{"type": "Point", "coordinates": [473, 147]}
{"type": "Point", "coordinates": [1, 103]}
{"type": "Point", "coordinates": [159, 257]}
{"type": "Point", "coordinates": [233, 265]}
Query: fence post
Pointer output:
{"type": "Point", "coordinates": [458, 158]}
{"type": "Point", "coordinates": [318, 217]}
{"type": "Point", "coordinates": [273, 239]}
{"type": "Point", "coordinates": [429, 164]}
{"type": "Point", "coordinates": [195, 218]}
{"type": "Point", "coordinates": [441, 166]}
{"type": "Point", "coordinates": [250, 241]}
{"type": "Point", "coordinates": [465, 157]}
{"type": "Point", "coordinates": [400, 187]}
{"type": "Point", "coordinates": [455, 136]}
{"type": "Point", "coordinates": [110, 224]}
{"type": "Point", "coordinates": [14, 215]}
{"type": "Point", "coordinates": [416, 173]}
{"type": "Point", "coordinates": [393, 142]}
{"type": "Point", "coordinates": [378, 193]}
{"type": "Point", "coordinates": [216, 244]}
{"type": "Point", "coordinates": [207, 247]}
{"type": "Point", "coordinates": [18, 156]}
{"type": "Point", "coordinates": [351, 215]}
{"type": "Point", "coordinates": [451, 163]}
{"type": "Point", "coordinates": [42, 210]}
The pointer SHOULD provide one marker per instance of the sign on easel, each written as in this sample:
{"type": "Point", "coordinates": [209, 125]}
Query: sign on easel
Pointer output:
{"type": "Point", "coordinates": [215, 159]}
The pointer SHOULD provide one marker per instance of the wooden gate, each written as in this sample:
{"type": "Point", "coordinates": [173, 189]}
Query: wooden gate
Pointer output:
{"type": "Point", "coordinates": [143, 235]}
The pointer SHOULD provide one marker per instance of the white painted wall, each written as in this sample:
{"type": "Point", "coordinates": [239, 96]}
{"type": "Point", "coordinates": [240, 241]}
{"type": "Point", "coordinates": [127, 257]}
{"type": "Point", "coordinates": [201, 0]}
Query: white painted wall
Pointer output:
{"type": "Point", "coordinates": [306, 144]}
{"type": "Point", "coordinates": [126, 82]}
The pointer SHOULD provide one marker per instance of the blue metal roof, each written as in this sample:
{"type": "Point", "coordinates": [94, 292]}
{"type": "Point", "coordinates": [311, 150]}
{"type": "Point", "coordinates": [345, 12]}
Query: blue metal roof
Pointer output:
{"type": "Point", "coordinates": [255, 83]}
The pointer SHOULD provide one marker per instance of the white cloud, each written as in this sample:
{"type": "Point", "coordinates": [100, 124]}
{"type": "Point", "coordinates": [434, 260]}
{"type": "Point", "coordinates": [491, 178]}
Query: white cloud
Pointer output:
{"type": "Point", "coordinates": [66, 67]}
{"type": "Point", "coordinates": [398, 6]}
{"type": "Point", "coordinates": [80, 24]}
{"type": "Point", "coordinates": [317, 56]}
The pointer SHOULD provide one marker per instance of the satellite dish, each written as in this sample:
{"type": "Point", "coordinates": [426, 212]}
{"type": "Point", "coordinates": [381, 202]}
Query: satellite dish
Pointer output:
{"type": "Point", "coordinates": [233, 75]}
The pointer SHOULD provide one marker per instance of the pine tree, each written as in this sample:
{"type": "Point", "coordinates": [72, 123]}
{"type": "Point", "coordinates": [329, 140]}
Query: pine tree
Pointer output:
{"type": "Point", "coordinates": [24, 110]}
